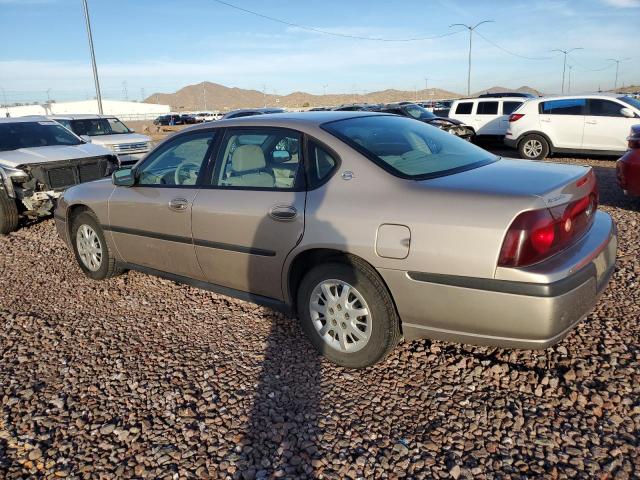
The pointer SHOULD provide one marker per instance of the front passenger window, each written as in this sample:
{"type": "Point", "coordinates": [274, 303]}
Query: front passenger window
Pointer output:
{"type": "Point", "coordinates": [176, 163]}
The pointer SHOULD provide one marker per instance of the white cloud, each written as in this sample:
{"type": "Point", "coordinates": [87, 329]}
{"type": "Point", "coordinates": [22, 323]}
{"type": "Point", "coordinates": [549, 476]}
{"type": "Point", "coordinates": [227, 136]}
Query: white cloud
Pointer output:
{"type": "Point", "coordinates": [622, 3]}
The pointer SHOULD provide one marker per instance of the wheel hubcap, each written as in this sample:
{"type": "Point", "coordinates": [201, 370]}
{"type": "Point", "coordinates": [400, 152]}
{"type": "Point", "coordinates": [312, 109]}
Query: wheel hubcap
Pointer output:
{"type": "Point", "coordinates": [340, 315]}
{"type": "Point", "coordinates": [532, 148]}
{"type": "Point", "coordinates": [89, 247]}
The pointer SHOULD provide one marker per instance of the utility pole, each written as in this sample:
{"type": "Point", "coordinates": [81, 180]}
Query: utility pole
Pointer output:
{"type": "Point", "coordinates": [48, 99]}
{"type": "Point", "coordinates": [617, 60]}
{"type": "Point", "coordinates": [204, 96]}
{"type": "Point", "coordinates": [569, 80]}
{"type": "Point", "coordinates": [125, 94]}
{"type": "Point", "coordinates": [93, 56]}
{"type": "Point", "coordinates": [426, 83]}
{"type": "Point", "coordinates": [564, 65]}
{"type": "Point", "coordinates": [4, 97]}
{"type": "Point", "coordinates": [471, 29]}
{"type": "Point", "coordinates": [324, 89]}
{"type": "Point", "coordinates": [264, 95]}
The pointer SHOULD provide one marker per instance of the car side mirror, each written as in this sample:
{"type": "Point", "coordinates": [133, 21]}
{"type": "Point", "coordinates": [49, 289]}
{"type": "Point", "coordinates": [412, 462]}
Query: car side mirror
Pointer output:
{"type": "Point", "coordinates": [124, 177]}
{"type": "Point", "coordinates": [281, 156]}
{"type": "Point", "coordinates": [132, 130]}
{"type": "Point", "coordinates": [86, 138]}
{"type": "Point", "coordinates": [627, 112]}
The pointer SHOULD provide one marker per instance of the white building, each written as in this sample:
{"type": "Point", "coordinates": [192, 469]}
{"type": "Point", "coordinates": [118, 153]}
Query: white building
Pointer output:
{"type": "Point", "coordinates": [120, 109]}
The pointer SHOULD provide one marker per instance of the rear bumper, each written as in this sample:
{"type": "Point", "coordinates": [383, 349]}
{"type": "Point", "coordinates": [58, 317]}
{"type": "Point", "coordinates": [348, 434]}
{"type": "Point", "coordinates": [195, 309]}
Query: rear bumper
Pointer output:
{"type": "Point", "coordinates": [511, 142]}
{"type": "Point", "coordinates": [628, 173]}
{"type": "Point", "coordinates": [504, 313]}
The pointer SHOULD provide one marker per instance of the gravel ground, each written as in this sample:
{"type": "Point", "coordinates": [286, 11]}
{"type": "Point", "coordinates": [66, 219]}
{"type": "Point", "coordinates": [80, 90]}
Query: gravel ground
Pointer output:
{"type": "Point", "coordinates": [141, 377]}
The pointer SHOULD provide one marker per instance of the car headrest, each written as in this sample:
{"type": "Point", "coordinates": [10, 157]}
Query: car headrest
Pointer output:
{"type": "Point", "coordinates": [247, 158]}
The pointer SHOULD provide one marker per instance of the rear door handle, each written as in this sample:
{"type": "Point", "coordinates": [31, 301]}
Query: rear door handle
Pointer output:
{"type": "Point", "coordinates": [591, 122]}
{"type": "Point", "coordinates": [546, 120]}
{"type": "Point", "coordinates": [179, 204]}
{"type": "Point", "coordinates": [283, 212]}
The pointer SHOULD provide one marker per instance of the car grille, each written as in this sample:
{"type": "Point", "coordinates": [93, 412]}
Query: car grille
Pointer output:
{"type": "Point", "coordinates": [130, 147]}
{"type": "Point", "coordinates": [60, 175]}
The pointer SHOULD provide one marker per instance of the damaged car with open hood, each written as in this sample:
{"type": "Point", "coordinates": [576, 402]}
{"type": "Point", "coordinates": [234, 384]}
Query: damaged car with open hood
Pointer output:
{"type": "Point", "coordinates": [415, 111]}
{"type": "Point", "coordinates": [39, 159]}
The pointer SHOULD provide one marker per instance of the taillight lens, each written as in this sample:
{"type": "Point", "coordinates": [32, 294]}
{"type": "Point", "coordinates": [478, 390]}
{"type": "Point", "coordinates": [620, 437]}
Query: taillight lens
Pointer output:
{"type": "Point", "coordinates": [538, 234]}
{"type": "Point", "coordinates": [514, 117]}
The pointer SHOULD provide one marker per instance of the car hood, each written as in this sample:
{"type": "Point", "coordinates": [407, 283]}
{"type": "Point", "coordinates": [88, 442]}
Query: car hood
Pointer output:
{"type": "Point", "coordinates": [554, 183]}
{"type": "Point", "coordinates": [54, 153]}
{"type": "Point", "coordinates": [119, 139]}
{"type": "Point", "coordinates": [445, 119]}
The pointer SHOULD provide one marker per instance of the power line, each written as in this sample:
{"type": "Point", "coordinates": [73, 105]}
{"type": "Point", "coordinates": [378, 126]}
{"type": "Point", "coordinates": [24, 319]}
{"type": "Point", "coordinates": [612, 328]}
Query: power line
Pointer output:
{"type": "Point", "coordinates": [335, 34]}
{"type": "Point", "coordinates": [583, 67]}
{"type": "Point", "coordinates": [509, 51]}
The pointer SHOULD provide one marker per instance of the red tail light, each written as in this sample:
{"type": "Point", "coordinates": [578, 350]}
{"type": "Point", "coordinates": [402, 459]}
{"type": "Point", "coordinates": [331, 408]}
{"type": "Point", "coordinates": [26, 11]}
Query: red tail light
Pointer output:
{"type": "Point", "coordinates": [514, 117]}
{"type": "Point", "coordinates": [538, 234]}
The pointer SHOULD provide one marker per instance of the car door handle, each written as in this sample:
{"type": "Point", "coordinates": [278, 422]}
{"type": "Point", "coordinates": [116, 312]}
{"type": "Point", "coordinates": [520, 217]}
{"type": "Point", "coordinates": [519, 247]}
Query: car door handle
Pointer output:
{"type": "Point", "coordinates": [179, 204]}
{"type": "Point", "coordinates": [283, 212]}
{"type": "Point", "coordinates": [591, 122]}
{"type": "Point", "coordinates": [546, 120]}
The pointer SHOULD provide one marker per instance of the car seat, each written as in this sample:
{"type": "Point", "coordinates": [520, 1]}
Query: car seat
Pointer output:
{"type": "Point", "coordinates": [248, 168]}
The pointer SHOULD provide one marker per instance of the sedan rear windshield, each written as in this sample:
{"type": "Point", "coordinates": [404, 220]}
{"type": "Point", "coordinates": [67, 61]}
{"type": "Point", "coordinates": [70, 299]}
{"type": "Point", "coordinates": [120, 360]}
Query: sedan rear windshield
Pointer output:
{"type": "Point", "coordinates": [407, 148]}
{"type": "Point", "coordinates": [99, 126]}
{"type": "Point", "coordinates": [14, 136]}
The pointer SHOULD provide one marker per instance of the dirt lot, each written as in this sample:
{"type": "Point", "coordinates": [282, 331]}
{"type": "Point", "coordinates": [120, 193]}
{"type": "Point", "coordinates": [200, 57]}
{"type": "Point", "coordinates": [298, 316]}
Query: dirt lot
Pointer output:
{"type": "Point", "coordinates": [141, 377]}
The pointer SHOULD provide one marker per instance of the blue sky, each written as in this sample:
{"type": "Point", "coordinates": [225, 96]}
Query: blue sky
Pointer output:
{"type": "Point", "coordinates": [162, 45]}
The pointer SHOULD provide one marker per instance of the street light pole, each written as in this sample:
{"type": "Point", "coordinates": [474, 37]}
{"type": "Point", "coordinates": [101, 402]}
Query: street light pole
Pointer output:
{"type": "Point", "coordinates": [617, 60]}
{"type": "Point", "coordinates": [93, 56]}
{"type": "Point", "coordinates": [471, 29]}
{"type": "Point", "coordinates": [564, 65]}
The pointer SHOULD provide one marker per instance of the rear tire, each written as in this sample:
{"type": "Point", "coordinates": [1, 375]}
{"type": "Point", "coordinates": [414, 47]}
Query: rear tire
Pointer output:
{"type": "Point", "coordinates": [8, 213]}
{"type": "Point", "coordinates": [91, 249]}
{"type": "Point", "coordinates": [533, 147]}
{"type": "Point", "coordinates": [342, 332]}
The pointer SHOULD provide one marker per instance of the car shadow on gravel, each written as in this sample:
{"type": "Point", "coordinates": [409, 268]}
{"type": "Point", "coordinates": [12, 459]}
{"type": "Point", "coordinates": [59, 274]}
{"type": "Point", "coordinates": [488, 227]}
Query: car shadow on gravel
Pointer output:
{"type": "Point", "coordinates": [282, 433]}
{"type": "Point", "coordinates": [610, 192]}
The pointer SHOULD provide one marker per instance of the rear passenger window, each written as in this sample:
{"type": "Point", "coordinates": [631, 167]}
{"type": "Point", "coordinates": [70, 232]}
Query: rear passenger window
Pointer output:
{"type": "Point", "coordinates": [464, 108]}
{"type": "Point", "coordinates": [487, 108]}
{"type": "Point", "coordinates": [509, 107]}
{"type": "Point", "coordinates": [571, 106]}
{"type": "Point", "coordinates": [258, 159]}
{"type": "Point", "coordinates": [320, 165]}
{"type": "Point", "coordinates": [604, 108]}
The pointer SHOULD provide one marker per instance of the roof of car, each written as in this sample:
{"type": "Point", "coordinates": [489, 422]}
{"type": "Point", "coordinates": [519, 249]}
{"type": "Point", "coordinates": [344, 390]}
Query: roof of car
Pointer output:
{"type": "Point", "coordinates": [292, 118]}
{"type": "Point", "coordinates": [576, 97]}
{"type": "Point", "coordinates": [79, 116]}
{"type": "Point", "coordinates": [26, 119]}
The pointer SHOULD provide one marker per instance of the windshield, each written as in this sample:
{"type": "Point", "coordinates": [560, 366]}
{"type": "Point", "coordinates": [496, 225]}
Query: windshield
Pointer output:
{"type": "Point", "coordinates": [634, 102]}
{"type": "Point", "coordinates": [409, 149]}
{"type": "Point", "coordinates": [34, 134]}
{"type": "Point", "coordinates": [416, 111]}
{"type": "Point", "coordinates": [99, 126]}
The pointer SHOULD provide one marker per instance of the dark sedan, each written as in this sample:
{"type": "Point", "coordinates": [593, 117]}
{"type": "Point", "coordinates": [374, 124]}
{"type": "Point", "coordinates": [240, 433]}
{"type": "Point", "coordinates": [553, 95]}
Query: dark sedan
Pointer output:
{"type": "Point", "coordinates": [411, 110]}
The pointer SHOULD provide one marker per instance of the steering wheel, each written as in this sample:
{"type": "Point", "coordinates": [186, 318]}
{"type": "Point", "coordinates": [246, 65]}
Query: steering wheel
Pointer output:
{"type": "Point", "coordinates": [185, 172]}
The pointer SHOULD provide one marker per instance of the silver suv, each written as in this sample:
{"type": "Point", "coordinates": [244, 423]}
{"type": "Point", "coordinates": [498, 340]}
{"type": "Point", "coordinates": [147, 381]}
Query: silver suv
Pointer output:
{"type": "Point", "coordinates": [109, 132]}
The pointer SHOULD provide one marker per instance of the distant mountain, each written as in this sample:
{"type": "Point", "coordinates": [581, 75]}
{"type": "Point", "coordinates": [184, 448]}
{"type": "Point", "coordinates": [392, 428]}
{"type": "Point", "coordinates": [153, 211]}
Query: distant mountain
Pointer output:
{"type": "Point", "coordinates": [523, 89]}
{"type": "Point", "coordinates": [629, 89]}
{"type": "Point", "coordinates": [213, 96]}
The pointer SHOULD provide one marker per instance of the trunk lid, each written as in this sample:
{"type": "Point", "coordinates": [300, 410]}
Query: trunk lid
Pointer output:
{"type": "Point", "coordinates": [554, 183]}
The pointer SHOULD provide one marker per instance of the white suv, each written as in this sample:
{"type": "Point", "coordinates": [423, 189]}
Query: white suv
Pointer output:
{"type": "Point", "coordinates": [488, 116]}
{"type": "Point", "coordinates": [593, 124]}
{"type": "Point", "coordinates": [108, 132]}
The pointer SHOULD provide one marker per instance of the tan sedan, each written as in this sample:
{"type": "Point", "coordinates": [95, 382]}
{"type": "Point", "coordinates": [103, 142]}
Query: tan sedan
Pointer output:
{"type": "Point", "coordinates": [369, 227]}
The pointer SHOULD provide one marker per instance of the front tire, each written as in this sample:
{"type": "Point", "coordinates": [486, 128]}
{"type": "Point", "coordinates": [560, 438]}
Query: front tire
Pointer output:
{"type": "Point", "coordinates": [533, 147]}
{"type": "Point", "coordinates": [348, 314]}
{"type": "Point", "coordinates": [8, 213]}
{"type": "Point", "coordinates": [90, 248]}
